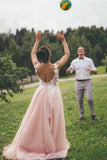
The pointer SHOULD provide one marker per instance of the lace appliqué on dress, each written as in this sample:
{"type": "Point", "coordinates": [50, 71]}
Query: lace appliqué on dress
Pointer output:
{"type": "Point", "coordinates": [53, 96]}
{"type": "Point", "coordinates": [54, 81]}
{"type": "Point", "coordinates": [35, 67]}
{"type": "Point", "coordinates": [52, 87]}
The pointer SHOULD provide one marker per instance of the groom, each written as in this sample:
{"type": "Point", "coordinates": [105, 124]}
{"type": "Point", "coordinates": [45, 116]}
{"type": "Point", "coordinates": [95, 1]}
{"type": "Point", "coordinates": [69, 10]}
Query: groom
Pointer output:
{"type": "Point", "coordinates": [83, 66]}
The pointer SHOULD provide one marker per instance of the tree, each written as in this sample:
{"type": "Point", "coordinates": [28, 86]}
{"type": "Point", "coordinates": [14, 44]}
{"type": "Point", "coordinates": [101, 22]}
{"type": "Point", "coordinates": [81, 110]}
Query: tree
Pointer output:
{"type": "Point", "coordinates": [20, 45]}
{"type": "Point", "coordinates": [104, 61]}
{"type": "Point", "coordinates": [98, 55]}
{"type": "Point", "coordinates": [2, 43]}
{"type": "Point", "coordinates": [10, 74]}
{"type": "Point", "coordinates": [19, 36]}
{"type": "Point", "coordinates": [27, 45]}
{"type": "Point", "coordinates": [16, 52]}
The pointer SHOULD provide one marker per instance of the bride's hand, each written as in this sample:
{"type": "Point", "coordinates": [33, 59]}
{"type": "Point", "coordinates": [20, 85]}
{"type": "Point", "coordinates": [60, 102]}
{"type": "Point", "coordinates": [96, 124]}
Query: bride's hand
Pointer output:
{"type": "Point", "coordinates": [38, 35]}
{"type": "Point", "coordinates": [61, 36]}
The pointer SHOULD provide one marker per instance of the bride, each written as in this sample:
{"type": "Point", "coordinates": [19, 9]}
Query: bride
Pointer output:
{"type": "Point", "coordinates": [42, 133]}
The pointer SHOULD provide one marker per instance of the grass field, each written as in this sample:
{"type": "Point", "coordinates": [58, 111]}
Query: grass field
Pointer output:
{"type": "Point", "coordinates": [88, 138]}
{"type": "Point", "coordinates": [101, 70]}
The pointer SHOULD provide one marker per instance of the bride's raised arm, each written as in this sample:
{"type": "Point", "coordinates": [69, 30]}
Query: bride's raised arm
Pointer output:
{"type": "Point", "coordinates": [34, 49]}
{"type": "Point", "coordinates": [64, 58]}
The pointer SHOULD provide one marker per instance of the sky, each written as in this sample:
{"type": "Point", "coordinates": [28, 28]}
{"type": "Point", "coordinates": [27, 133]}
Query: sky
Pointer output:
{"type": "Point", "coordinates": [47, 15]}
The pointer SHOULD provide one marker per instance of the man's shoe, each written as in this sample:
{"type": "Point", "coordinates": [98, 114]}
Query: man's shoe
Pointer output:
{"type": "Point", "coordinates": [94, 117]}
{"type": "Point", "coordinates": [80, 119]}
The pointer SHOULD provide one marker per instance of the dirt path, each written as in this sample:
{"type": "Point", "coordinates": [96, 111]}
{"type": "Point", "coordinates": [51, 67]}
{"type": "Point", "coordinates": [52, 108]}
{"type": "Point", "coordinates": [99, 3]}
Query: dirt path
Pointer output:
{"type": "Point", "coordinates": [61, 80]}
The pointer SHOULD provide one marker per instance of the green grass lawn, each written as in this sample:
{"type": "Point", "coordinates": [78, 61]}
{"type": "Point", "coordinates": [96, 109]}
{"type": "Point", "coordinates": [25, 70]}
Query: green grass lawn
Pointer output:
{"type": "Point", "coordinates": [101, 70]}
{"type": "Point", "coordinates": [88, 138]}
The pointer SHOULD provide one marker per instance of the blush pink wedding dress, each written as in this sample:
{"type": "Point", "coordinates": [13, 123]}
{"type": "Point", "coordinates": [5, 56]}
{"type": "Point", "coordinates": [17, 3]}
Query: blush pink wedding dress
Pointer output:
{"type": "Point", "coordinates": [42, 133]}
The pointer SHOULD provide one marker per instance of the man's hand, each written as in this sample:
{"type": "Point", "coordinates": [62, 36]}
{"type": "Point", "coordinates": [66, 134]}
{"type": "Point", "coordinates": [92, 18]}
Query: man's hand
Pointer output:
{"type": "Point", "coordinates": [68, 71]}
{"type": "Point", "coordinates": [91, 70]}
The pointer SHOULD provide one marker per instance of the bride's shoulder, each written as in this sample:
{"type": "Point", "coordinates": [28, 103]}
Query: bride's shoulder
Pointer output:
{"type": "Point", "coordinates": [35, 66]}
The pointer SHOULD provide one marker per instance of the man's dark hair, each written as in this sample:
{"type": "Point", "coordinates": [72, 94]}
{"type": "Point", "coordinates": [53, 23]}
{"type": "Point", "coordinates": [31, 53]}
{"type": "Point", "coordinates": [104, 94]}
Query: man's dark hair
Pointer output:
{"type": "Point", "coordinates": [83, 47]}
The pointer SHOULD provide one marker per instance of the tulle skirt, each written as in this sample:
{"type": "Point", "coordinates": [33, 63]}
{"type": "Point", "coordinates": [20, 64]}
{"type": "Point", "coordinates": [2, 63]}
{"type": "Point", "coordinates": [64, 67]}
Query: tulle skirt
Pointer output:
{"type": "Point", "coordinates": [41, 134]}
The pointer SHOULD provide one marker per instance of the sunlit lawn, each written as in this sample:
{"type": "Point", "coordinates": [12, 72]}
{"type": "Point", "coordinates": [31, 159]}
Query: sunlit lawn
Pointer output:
{"type": "Point", "coordinates": [88, 138]}
{"type": "Point", "coordinates": [101, 70]}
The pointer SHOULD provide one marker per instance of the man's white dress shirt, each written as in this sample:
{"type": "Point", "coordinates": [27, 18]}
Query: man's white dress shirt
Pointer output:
{"type": "Point", "coordinates": [80, 66]}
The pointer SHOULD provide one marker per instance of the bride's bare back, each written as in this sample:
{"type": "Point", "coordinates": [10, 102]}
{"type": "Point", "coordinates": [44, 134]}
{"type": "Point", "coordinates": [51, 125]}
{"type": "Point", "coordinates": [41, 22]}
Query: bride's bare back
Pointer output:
{"type": "Point", "coordinates": [46, 71]}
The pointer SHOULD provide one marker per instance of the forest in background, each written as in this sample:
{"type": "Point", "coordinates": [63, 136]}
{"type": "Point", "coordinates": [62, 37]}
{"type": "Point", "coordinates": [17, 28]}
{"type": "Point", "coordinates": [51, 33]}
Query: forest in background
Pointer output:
{"type": "Point", "coordinates": [18, 46]}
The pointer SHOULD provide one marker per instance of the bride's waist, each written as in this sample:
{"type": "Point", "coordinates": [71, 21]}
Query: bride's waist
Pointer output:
{"type": "Point", "coordinates": [48, 84]}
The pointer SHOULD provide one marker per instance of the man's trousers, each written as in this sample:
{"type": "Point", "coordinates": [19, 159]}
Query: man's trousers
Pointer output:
{"type": "Point", "coordinates": [80, 88]}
